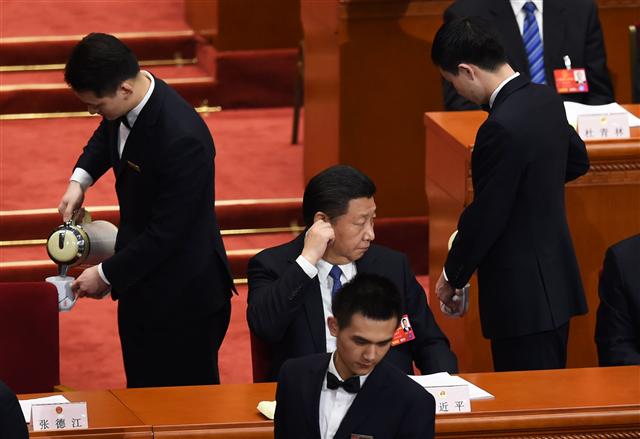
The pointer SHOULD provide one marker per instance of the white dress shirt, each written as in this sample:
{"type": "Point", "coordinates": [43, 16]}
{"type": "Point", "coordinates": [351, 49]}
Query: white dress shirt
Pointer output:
{"type": "Point", "coordinates": [520, 14]}
{"type": "Point", "coordinates": [326, 283]}
{"type": "Point", "coordinates": [85, 179]}
{"type": "Point", "coordinates": [335, 403]}
{"type": "Point", "coordinates": [495, 93]}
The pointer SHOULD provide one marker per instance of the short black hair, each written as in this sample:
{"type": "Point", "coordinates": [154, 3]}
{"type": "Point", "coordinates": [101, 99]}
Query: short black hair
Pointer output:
{"type": "Point", "coordinates": [100, 63]}
{"type": "Point", "coordinates": [471, 40]}
{"type": "Point", "coordinates": [331, 190]}
{"type": "Point", "coordinates": [371, 295]}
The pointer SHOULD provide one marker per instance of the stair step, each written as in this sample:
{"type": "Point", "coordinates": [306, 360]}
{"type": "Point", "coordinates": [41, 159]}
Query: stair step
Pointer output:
{"type": "Point", "coordinates": [46, 92]}
{"type": "Point", "coordinates": [56, 49]}
{"type": "Point", "coordinates": [233, 216]}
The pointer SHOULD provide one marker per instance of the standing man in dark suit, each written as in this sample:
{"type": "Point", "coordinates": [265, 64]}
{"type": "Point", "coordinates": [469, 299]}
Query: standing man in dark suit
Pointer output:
{"type": "Point", "coordinates": [170, 272]}
{"type": "Point", "coordinates": [356, 391]}
{"type": "Point", "coordinates": [565, 28]}
{"type": "Point", "coordinates": [515, 232]}
{"type": "Point", "coordinates": [618, 319]}
{"type": "Point", "coordinates": [291, 285]}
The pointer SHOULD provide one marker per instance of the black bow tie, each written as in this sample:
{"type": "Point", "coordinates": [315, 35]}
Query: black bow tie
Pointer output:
{"type": "Point", "coordinates": [486, 108]}
{"type": "Point", "coordinates": [352, 385]}
{"type": "Point", "coordinates": [124, 121]}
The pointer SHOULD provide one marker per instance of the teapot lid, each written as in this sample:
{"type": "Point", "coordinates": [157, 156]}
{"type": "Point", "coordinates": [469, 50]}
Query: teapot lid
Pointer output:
{"type": "Point", "coordinates": [66, 244]}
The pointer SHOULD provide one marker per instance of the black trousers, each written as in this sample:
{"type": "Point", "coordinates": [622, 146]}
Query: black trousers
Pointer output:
{"type": "Point", "coordinates": [176, 354]}
{"type": "Point", "coordinates": [543, 350]}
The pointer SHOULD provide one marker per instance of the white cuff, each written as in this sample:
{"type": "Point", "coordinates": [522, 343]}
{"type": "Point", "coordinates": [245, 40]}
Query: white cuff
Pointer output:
{"type": "Point", "coordinates": [82, 177]}
{"type": "Point", "coordinates": [101, 273]}
{"type": "Point", "coordinates": [307, 266]}
{"type": "Point", "coordinates": [444, 273]}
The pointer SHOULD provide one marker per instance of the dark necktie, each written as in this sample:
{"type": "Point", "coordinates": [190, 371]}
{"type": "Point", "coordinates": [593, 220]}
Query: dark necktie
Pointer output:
{"type": "Point", "coordinates": [352, 385]}
{"type": "Point", "coordinates": [335, 274]}
{"type": "Point", "coordinates": [533, 44]}
{"type": "Point", "coordinates": [125, 121]}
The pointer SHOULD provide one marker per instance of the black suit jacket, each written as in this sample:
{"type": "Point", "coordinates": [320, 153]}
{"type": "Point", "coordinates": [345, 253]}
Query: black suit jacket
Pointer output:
{"type": "Point", "coordinates": [570, 27]}
{"type": "Point", "coordinates": [618, 320]}
{"type": "Point", "coordinates": [170, 260]}
{"type": "Point", "coordinates": [12, 423]}
{"type": "Point", "coordinates": [389, 405]}
{"type": "Point", "coordinates": [515, 232]}
{"type": "Point", "coordinates": [285, 308]}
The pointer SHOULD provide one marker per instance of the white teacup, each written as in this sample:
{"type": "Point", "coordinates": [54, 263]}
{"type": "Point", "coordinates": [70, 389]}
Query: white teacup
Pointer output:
{"type": "Point", "coordinates": [66, 297]}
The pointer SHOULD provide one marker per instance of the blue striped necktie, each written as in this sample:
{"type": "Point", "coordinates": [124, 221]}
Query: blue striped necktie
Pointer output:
{"type": "Point", "coordinates": [335, 274]}
{"type": "Point", "coordinates": [533, 44]}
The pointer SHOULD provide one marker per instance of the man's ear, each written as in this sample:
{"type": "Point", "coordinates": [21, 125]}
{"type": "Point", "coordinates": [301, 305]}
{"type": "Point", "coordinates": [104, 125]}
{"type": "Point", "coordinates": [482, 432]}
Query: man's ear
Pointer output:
{"type": "Point", "coordinates": [321, 216]}
{"type": "Point", "coordinates": [126, 88]}
{"type": "Point", "coordinates": [332, 323]}
{"type": "Point", "coordinates": [467, 70]}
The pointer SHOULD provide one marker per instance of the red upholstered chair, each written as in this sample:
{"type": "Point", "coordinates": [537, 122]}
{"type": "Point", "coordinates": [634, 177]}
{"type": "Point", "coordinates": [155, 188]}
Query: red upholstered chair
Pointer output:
{"type": "Point", "coordinates": [260, 355]}
{"type": "Point", "coordinates": [29, 337]}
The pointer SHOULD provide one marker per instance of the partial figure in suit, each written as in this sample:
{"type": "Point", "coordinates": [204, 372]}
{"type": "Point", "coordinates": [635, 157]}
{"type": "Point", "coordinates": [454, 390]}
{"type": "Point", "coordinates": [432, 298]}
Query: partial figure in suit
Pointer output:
{"type": "Point", "coordinates": [515, 232]}
{"type": "Point", "coordinates": [356, 391]}
{"type": "Point", "coordinates": [291, 285]}
{"type": "Point", "coordinates": [12, 423]}
{"type": "Point", "coordinates": [170, 273]}
{"type": "Point", "coordinates": [618, 318]}
{"type": "Point", "coordinates": [564, 28]}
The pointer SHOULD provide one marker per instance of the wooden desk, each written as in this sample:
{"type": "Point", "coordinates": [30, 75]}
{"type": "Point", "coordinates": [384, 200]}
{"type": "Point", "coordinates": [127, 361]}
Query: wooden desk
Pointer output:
{"type": "Point", "coordinates": [226, 411]}
{"type": "Point", "coordinates": [108, 418]}
{"type": "Point", "coordinates": [603, 207]}
{"type": "Point", "coordinates": [572, 403]}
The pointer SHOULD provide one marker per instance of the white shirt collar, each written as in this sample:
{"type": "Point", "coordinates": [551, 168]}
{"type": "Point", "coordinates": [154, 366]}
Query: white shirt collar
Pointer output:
{"type": "Point", "coordinates": [324, 267]}
{"type": "Point", "coordinates": [517, 5]}
{"type": "Point", "coordinates": [499, 87]}
{"type": "Point", "coordinates": [132, 115]}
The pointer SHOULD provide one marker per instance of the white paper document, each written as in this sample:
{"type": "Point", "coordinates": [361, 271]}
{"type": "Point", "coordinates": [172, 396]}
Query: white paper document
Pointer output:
{"type": "Point", "coordinates": [267, 408]}
{"type": "Point", "coordinates": [25, 404]}
{"type": "Point", "coordinates": [445, 379]}
{"type": "Point", "coordinates": [574, 109]}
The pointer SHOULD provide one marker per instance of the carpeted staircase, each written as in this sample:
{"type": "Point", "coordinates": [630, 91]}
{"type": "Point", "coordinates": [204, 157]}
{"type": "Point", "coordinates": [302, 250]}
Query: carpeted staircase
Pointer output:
{"type": "Point", "coordinates": [43, 128]}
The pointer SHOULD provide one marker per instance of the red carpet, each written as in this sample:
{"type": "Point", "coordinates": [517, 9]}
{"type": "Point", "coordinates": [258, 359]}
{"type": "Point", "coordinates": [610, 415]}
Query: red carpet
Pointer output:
{"type": "Point", "coordinates": [254, 158]}
{"type": "Point", "coordinates": [74, 17]}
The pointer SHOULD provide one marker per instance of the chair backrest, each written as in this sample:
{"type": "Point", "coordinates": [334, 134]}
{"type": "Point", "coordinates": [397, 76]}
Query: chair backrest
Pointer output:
{"type": "Point", "coordinates": [260, 359]}
{"type": "Point", "coordinates": [29, 336]}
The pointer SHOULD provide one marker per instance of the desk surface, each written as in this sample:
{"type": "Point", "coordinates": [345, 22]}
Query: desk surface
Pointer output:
{"type": "Point", "coordinates": [558, 403]}
{"type": "Point", "coordinates": [463, 125]}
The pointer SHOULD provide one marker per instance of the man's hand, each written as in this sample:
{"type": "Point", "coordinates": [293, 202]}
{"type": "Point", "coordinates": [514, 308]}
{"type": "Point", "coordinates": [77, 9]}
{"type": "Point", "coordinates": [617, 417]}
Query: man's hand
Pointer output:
{"type": "Point", "coordinates": [448, 296]}
{"type": "Point", "coordinates": [319, 236]}
{"type": "Point", "coordinates": [90, 284]}
{"type": "Point", "coordinates": [71, 200]}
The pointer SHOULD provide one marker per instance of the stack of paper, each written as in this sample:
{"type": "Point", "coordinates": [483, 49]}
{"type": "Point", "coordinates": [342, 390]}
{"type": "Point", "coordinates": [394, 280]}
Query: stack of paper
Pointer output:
{"type": "Point", "coordinates": [445, 379]}
{"type": "Point", "coordinates": [573, 110]}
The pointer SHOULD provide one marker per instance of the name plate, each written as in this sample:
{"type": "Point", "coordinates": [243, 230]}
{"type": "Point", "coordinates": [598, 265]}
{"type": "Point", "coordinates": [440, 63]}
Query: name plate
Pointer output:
{"type": "Point", "coordinates": [451, 399]}
{"type": "Point", "coordinates": [68, 416]}
{"type": "Point", "coordinates": [603, 126]}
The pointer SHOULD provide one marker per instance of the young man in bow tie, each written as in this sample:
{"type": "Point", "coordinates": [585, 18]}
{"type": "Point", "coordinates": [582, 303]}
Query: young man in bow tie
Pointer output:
{"type": "Point", "coordinates": [354, 391]}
